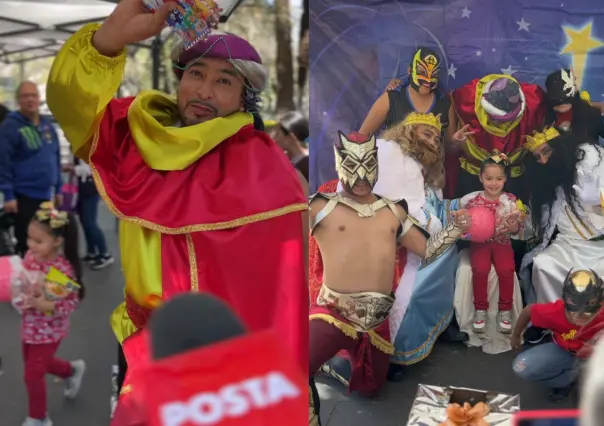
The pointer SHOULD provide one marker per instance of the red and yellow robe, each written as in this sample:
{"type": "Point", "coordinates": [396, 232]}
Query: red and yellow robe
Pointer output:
{"type": "Point", "coordinates": [380, 337]}
{"type": "Point", "coordinates": [507, 138]}
{"type": "Point", "coordinates": [215, 207]}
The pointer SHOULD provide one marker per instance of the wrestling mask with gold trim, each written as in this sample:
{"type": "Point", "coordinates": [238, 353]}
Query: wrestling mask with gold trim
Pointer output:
{"type": "Point", "coordinates": [356, 159]}
{"type": "Point", "coordinates": [425, 67]}
{"type": "Point", "coordinates": [582, 292]}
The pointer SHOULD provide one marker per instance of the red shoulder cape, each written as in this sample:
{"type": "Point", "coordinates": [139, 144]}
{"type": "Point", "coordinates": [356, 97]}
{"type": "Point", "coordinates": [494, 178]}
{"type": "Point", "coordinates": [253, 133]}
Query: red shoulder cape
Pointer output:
{"type": "Point", "coordinates": [246, 174]}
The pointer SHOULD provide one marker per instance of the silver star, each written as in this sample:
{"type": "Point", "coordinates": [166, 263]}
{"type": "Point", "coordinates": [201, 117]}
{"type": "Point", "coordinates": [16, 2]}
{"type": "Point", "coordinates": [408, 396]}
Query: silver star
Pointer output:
{"type": "Point", "coordinates": [478, 53]}
{"type": "Point", "coordinates": [508, 70]}
{"type": "Point", "coordinates": [523, 25]}
{"type": "Point", "coordinates": [526, 58]}
{"type": "Point", "coordinates": [494, 49]}
{"type": "Point", "coordinates": [324, 113]}
{"type": "Point", "coordinates": [451, 71]}
{"type": "Point", "coordinates": [465, 13]}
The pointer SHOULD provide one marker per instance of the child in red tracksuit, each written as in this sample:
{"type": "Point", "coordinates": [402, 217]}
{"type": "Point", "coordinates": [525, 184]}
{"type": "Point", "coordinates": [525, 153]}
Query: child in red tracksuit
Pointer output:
{"type": "Point", "coordinates": [498, 250]}
{"type": "Point", "coordinates": [52, 242]}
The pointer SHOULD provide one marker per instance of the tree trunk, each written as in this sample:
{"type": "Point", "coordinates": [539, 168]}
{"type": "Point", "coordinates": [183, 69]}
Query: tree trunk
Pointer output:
{"type": "Point", "coordinates": [285, 69]}
{"type": "Point", "coordinates": [303, 55]}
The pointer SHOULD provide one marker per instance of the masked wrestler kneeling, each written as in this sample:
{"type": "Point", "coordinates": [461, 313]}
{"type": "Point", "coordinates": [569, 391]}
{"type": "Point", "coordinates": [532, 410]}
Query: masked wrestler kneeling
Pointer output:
{"type": "Point", "coordinates": [358, 233]}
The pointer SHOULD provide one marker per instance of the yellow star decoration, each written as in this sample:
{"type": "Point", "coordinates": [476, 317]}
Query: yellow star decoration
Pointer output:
{"type": "Point", "coordinates": [580, 43]}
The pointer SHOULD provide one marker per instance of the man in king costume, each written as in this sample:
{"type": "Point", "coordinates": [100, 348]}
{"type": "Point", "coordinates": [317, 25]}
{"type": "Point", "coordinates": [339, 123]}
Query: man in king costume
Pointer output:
{"type": "Point", "coordinates": [499, 111]}
{"type": "Point", "coordinates": [188, 178]}
{"type": "Point", "coordinates": [411, 167]}
{"type": "Point", "coordinates": [355, 237]}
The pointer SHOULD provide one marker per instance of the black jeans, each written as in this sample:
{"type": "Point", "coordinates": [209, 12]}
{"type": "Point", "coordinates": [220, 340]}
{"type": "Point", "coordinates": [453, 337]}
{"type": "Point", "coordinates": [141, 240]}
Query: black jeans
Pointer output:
{"type": "Point", "coordinates": [26, 210]}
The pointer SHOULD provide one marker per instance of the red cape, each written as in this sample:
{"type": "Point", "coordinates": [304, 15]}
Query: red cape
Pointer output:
{"type": "Point", "coordinates": [257, 267]}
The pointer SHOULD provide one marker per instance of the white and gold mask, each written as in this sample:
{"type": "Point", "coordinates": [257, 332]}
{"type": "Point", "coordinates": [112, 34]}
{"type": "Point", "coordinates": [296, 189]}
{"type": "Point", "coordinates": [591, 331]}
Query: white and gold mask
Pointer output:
{"type": "Point", "coordinates": [356, 159]}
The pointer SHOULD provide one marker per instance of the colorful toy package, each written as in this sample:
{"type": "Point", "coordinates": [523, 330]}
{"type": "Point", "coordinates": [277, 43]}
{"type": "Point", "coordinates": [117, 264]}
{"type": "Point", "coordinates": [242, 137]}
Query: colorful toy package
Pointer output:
{"type": "Point", "coordinates": [193, 20]}
{"type": "Point", "coordinates": [57, 285]}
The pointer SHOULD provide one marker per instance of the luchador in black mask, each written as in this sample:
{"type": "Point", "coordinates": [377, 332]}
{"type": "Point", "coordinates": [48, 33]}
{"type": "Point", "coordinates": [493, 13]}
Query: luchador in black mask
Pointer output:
{"type": "Point", "coordinates": [425, 67]}
{"type": "Point", "coordinates": [561, 87]}
{"type": "Point", "coordinates": [582, 292]}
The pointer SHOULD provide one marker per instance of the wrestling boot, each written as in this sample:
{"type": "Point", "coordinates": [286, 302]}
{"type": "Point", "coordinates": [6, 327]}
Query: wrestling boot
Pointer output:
{"type": "Point", "coordinates": [339, 369]}
{"type": "Point", "coordinates": [479, 323]}
{"type": "Point", "coordinates": [504, 322]}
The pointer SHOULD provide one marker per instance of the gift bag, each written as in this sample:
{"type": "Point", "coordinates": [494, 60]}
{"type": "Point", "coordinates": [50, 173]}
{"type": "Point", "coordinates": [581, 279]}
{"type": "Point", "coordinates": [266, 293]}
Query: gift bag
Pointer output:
{"type": "Point", "coordinates": [192, 20]}
{"type": "Point", "coordinates": [431, 402]}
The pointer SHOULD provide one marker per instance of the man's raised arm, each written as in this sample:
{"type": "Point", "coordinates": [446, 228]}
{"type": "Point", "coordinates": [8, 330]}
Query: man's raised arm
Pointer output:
{"type": "Point", "coordinates": [81, 84]}
{"type": "Point", "coordinates": [88, 70]}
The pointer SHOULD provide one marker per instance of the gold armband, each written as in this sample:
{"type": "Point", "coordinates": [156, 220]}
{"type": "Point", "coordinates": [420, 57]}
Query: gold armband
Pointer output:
{"type": "Point", "coordinates": [438, 243]}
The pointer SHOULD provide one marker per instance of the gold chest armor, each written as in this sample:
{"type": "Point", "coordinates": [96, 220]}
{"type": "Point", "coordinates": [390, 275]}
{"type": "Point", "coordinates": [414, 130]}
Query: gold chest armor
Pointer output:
{"type": "Point", "coordinates": [364, 210]}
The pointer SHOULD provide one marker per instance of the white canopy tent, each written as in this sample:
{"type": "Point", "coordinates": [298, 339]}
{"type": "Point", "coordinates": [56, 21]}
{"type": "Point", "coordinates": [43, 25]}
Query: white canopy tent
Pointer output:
{"type": "Point", "coordinates": [34, 29]}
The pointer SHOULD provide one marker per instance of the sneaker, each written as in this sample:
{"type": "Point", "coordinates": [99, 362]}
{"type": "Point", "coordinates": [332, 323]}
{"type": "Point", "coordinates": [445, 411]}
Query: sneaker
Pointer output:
{"type": "Point", "coordinates": [89, 258]}
{"type": "Point", "coordinates": [504, 322]}
{"type": "Point", "coordinates": [102, 262]}
{"type": "Point", "coordinates": [560, 394]}
{"type": "Point", "coordinates": [72, 384]}
{"type": "Point", "coordinates": [479, 324]}
{"type": "Point", "coordinates": [534, 335]}
{"type": "Point", "coordinates": [36, 422]}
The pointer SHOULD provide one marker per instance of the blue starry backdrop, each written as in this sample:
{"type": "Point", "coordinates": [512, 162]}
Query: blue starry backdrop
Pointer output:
{"type": "Point", "coordinates": [356, 47]}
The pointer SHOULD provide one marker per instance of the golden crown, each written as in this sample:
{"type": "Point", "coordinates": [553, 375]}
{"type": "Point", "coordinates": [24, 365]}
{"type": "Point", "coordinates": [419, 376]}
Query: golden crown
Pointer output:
{"type": "Point", "coordinates": [421, 118]}
{"type": "Point", "coordinates": [537, 139]}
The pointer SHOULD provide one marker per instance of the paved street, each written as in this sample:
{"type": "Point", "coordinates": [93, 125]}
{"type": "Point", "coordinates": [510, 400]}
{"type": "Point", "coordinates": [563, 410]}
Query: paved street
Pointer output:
{"type": "Point", "coordinates": [92, 340]}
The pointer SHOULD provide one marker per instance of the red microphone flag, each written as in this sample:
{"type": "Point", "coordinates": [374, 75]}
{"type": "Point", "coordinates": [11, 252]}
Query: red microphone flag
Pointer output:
{"type": "Point", "coordinates": [245, 381]}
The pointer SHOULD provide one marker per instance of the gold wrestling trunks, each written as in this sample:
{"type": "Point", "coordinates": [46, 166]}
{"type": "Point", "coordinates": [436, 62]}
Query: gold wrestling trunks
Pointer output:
{"type": "Point", "coordinates": [364, 311]}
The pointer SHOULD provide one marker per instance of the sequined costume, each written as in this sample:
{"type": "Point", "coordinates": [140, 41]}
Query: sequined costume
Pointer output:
{"type": "Point", "coordinates": [192, 200]}
{"type": "Point", "coordinates": [519, 109]}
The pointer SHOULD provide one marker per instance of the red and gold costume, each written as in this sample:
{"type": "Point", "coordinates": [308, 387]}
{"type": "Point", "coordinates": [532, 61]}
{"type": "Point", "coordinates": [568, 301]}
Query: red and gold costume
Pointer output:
{"type": "Point", "coordinates": [193, 202]}
{"type": "Point", "coordinates": [505, 137]}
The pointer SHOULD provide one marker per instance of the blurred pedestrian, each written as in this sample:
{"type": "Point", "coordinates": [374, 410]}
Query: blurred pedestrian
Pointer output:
{"type": "Point", "coordinates": [292, 136]}
{"type": "Point", "coordinates": [30, 161]}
